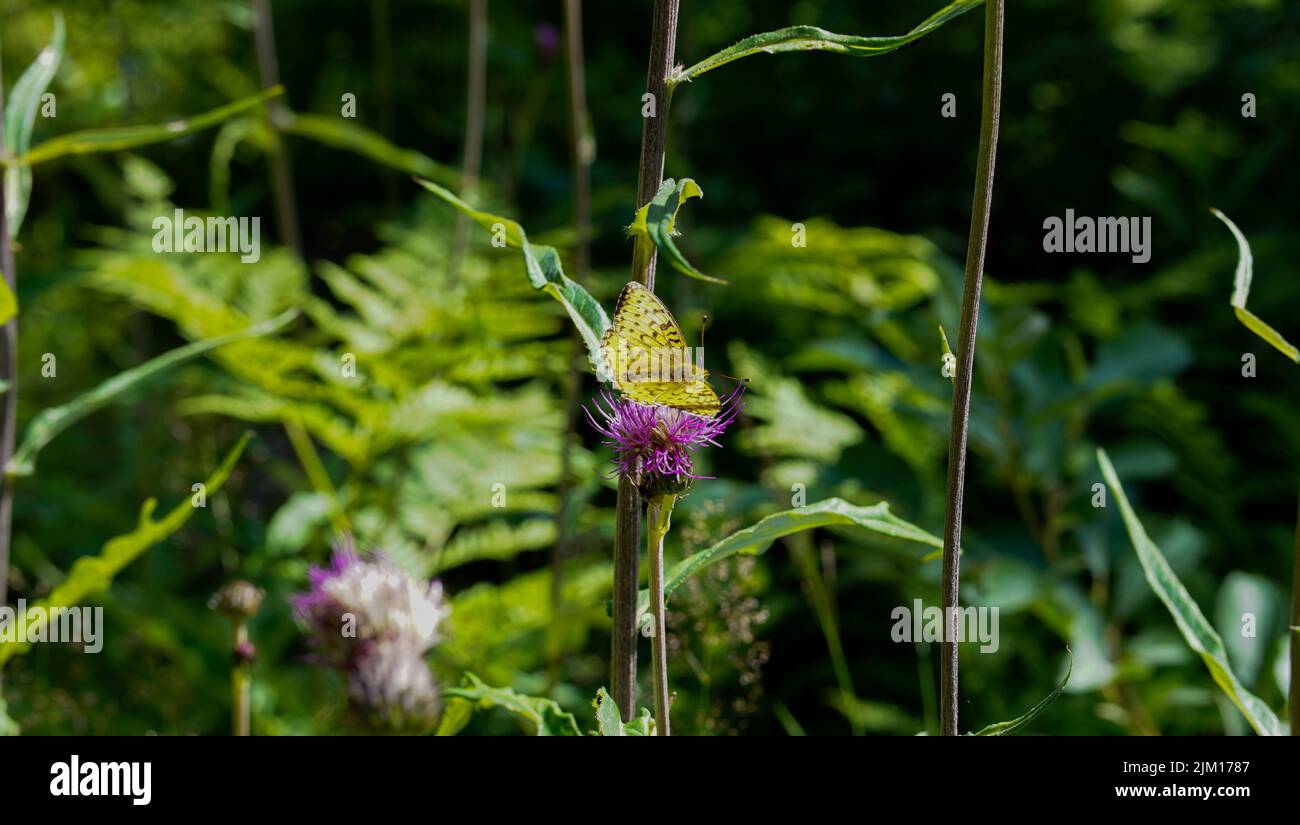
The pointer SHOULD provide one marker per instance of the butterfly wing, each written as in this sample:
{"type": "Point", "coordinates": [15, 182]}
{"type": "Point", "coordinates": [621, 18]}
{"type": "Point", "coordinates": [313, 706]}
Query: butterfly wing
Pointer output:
{"type": "Point", "coordinates": [642, 334]}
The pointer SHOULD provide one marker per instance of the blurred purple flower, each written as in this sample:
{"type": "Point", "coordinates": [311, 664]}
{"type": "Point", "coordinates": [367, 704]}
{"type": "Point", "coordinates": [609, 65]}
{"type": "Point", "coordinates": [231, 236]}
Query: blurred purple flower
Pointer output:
{"type": "Point", "coordinates": [654, 445]}
{"type": "Point", "coordinates": [375, 623]}
{"type": "Point", "coordinates": [546, 38]}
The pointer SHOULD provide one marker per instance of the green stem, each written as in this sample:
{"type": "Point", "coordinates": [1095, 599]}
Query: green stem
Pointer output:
{"type": "Point", "coordinates": [241, 684]}
{"type": "Point", "coordinates": [977, 242]}
{"type": "Point", "coordinates": [659, 513]}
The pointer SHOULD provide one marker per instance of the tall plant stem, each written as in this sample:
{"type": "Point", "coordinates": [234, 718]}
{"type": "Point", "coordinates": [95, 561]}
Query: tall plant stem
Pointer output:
{"type": "Point", "coordinates": [471, 161]}
{"type": "Point", "coordinates": [268, 70]}
{"type": "Point", "coordinates": [8, 373]}
{"type": "Point", "coordinates": [241, 685]}
{"type": "Point", "coordinates": [1293, 700]}
{"type": "Point", "coordinates": [659, 513]}
{"type": "Point", "coordinates": [975, 247]}
{"type": "Point", "coordinates": [581, 150]}
{"type": "Point", "coordinates": [627, 519]}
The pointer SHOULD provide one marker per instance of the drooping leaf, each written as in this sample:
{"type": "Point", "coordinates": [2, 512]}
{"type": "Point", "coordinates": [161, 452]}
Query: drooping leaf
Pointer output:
{"type": "Point", "coordinates": [92, 574]}
{"type": "Point", "coordinates": [1005, 728]}
{"type": "Point", "coordinates": [341, 134]}
{"type": "Point", "coordinates": [1241, 291]}
{"type": "Point", "coordinates": [544, 273]}
{"type": "Point", "coordinates": [129, 137]}
{"type": "Point", "coordinates": [49, 423]}
{"type": "Point", "coordinates": [657, 222]}
{"type": "Point", "coordinates": [758, 537]}
{"type": "Point", "coordinates": [20, 119]}
{"type": "Point", "coordinates": [548, 718]}
{"type": "Point", "coordinates": [1199, 634]}
{"type": "Point", "coordinates": [609, 722]}
{"type": "Point", "coordinates": [811, 38]}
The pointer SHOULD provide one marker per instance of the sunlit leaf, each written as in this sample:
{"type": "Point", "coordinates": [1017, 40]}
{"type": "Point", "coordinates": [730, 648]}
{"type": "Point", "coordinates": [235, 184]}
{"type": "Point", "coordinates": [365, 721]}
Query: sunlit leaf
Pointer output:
{"type": "Point", "coordinates": [546, 717]}
{"type": "Point", "coordinates": [1004, 728]}
{"type": "Point", "coordinates": [544, 273]}
{"type": "Point", "coordinates": [8, 303]}
{"type": "Point", "coordinates": [1196, 629]}
{"type": "Point", "coordinates": [92, 574]}
{"type": "Point", "coordinates": [49, 423]}
{"type": "Point", "coordinates": [756, 538]}
{"type": "Point", "coordinates": [609, 722]}
{"type": "Point", "coordinates": [657, 220]}
{"type": "Point", "coordinates": [1241, 291]}
{"type": "Point", "coordinates": [129, 137]}
{"type": "Point", "coordinates": [20, 119]}
{"type": "Point", "coordinates": [811, 38]}
{"type": "Point", "coordinates": [341, 134]}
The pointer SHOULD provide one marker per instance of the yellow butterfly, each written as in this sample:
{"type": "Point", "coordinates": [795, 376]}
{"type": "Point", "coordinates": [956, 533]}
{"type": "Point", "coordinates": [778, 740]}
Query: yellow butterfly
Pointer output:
{"type": "Point", "coordinates": [648, 358]}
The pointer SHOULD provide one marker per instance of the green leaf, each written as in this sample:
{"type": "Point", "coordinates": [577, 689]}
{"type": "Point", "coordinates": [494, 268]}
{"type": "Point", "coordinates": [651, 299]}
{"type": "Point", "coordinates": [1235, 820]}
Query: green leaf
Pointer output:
{"type": "Point", "coordinates": [1004, 728]}
{"type": "Point", "coordinates": [811, 38]}
{"type": "Point", "coordinates": [129, 137]}
{"type": "Point", "coordinates": [49, 423]}
{"type": "Point", "coordinates": [545, 273]}
{"type": "Point", "coordinates": [20, 120]}
{"type": "Point", "coordinates": [758, 537]}
{"type": "Point", "coordinates": [657, 220]}
{"type": "Point", "coordinates": [8, 303]}
{"type": "Point", "coordinates": [548, 718]}
{"type": "Point", "coordinates": [609, 722]}
{"type": "Point", "coordinates": [1241, 291]}
{"type": "Point", "coordinates": [92, 574]}
{"type": "Point", "coordinates": [1196, 629]}
{"type": "Point", "coordinates": [341, 134]}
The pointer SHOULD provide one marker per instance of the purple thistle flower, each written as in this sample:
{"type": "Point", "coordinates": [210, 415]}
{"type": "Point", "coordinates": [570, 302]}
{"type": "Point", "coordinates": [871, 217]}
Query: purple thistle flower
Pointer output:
{"type": "Point", "coordinates": [375, 623]}
{"type": "Point", "coordinates": [655, 445]}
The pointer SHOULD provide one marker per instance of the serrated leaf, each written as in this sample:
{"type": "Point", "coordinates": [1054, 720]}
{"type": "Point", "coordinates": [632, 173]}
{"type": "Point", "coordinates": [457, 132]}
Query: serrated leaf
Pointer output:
{"type": "Point", "coordinates": [1004, 728]}
{"type": "Point", "coordinates": [756, 538]}
{"type": "Point", "coordinates": [20, 120]}
{"type": "Point", "coordinates": [1197, 631]}
{"type": "Point", "coordinates": [545, 273]}
{"type": "Point", "coordinates": [92, 574]}
{"type": "Point", "coordinates": [1241, 291]}
{"type": "Point", "coordinates": [609, 722]}
{"type": "Point", "coordinates": [49, 423]}
{"type": "Point", "coordinates": [811, 38]}
{"type": "Point", "coordinates": [129, 137]}
{"type": "Point", "coordinates": [548, 718]}
{"type": "Point", "coordinates": [657, 220]}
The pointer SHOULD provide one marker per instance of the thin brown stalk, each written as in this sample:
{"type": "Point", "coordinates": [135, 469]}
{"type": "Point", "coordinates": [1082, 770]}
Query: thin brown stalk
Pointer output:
{"type": "Point", "coordinates": [974, 277]}
{"type": "Point", "coordinates": [9, 373]}
{"type": "Point", "coordinates": [475, 106]}
{"type": "Point", "coordinates": [627, 530]}
{"type": "Point", "coordinates": [580, 152]}
{"type": "Point", "coordinates": [268, 70]}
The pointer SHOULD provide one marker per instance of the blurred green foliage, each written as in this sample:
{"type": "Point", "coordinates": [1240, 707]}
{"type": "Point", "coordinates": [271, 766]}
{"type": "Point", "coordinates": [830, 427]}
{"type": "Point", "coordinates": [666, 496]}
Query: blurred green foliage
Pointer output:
{"type": "Point", "coordinates": [1111, 107]}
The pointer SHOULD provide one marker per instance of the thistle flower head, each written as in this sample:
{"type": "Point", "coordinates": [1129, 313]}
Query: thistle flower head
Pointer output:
{"type": "Point", "coordinates": [655, 445]}
{"type": "Point", "coordinates": [375, 623]}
